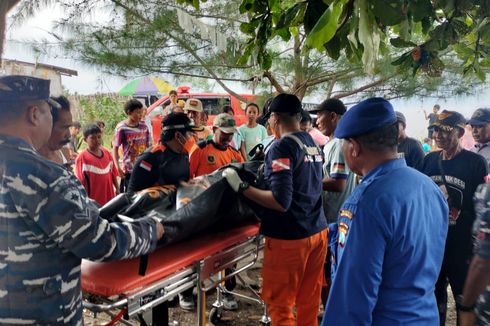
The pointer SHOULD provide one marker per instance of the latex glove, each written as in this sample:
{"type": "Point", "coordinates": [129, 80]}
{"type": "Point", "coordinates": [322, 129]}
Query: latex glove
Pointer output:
{"type": "Point", "coordinates": [232, 177]}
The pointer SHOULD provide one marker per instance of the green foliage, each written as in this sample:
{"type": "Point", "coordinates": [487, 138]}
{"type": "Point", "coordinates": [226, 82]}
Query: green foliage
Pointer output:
{"type": "Point", "coordinates": [280, 45]}
{"type": "Point", "coordinates": [337, 26]}
{"type": "Point", "coordinates": [106, 108]}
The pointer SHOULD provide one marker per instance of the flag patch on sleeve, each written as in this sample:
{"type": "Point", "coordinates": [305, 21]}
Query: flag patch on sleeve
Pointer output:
{"type": "Point", "coordinates": [281, 164]}
{"type": "Point", "coordinates": [145, 165]}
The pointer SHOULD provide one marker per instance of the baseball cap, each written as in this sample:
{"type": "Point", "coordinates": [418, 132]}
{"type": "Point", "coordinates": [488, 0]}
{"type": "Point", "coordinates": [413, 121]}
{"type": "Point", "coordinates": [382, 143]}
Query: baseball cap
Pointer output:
{"type": "Point", "coordinates": [179, 121]}
{"type": "Point", "coordinates": [225, 123]}
{"type": "Point", "coordinates": [400, 117]}
{"type": "Point", "coordinates": [14, 88]}
{"type": "Point", "coordinates": [193, 104]}
{"type": "Point", "coordinates": [364, 117]}
{"type": "Point", "coordinates": [286, 103]}
{"type": "Point", "coordinates": [332, 104]}
{"type": "Point", "coordinates": [448, 120]}
{"type": "Point", "coordinates": [480, 117]}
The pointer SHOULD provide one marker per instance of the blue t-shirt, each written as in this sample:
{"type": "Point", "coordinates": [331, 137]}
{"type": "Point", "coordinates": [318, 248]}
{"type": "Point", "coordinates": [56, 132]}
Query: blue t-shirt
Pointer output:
{"type": "Point", "coordinates": [387, 248]}
{"type": "Point", "coordinates": [297, 187]}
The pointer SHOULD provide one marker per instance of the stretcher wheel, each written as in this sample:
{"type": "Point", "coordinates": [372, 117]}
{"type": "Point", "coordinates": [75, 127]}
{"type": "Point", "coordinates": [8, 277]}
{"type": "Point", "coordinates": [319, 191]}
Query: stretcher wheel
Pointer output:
{"type": "Point", "coordinates": [214, 316]}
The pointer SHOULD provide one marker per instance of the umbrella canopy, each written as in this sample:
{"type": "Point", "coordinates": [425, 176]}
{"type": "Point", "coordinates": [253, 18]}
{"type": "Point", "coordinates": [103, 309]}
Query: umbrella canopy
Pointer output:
{"type": "Point", "coordinates": [146, 86]}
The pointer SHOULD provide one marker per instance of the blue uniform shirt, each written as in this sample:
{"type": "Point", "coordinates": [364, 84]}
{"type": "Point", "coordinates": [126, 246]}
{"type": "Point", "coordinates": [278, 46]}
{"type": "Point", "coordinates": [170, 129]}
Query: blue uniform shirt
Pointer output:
{"type": "Point", "coordinates": [297, 187]}
{"type": "Point", "coordinates": [387, 250]}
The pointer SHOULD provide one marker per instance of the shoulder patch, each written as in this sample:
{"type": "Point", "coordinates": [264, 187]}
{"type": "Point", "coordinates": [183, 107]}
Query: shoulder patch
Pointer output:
{"type": "Point", "coordinates": [145, 165]}
{"type": "Point", "coordinates": [281, 164]}
{"type": "Point", "coordinates": [343, 229]}
{"type": "Point", "coordinates": [346, 213]}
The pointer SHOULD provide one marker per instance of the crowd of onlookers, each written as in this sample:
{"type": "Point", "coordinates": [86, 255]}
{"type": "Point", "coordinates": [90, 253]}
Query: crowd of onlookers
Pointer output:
{"type": "Point", "coordinates": [187, 148]}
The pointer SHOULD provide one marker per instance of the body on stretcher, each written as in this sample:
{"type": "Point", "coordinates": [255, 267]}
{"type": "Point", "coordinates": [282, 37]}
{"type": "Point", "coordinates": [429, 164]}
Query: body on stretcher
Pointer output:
{"type": "Point", "coordinates": [171, 270]}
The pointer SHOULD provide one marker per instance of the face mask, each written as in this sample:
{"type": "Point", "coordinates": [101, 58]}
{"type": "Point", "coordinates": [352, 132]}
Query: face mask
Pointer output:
{"type": "Point", "coordinates": [188, 144]}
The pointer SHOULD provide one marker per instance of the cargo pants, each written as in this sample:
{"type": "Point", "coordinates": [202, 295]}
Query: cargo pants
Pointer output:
{"type": "Point", "coordinates": [292, 277]}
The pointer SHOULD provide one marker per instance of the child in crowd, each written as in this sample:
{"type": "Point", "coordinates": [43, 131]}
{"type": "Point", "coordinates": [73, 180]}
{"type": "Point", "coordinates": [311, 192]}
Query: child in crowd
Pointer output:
{"type": "Point", "coordinates": [252, 133]}
{"type": "Point", "coordinates": [133, 136]}
{"type": "Point", "coordinates": [94, 167]}
{"type": "Point", "coordinates": [101, 125]}
{"type": "Point", "coordinates": [426, 145]}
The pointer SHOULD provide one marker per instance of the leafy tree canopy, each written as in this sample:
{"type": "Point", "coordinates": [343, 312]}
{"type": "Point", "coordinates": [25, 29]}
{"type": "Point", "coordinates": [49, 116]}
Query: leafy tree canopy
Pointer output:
{"type": "Point", "coordinates": [424, 30]}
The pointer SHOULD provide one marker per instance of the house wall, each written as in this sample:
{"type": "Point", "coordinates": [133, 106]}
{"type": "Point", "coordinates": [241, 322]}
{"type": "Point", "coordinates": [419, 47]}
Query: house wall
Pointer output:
{"type": "Point", "coordinates": [18, 68]}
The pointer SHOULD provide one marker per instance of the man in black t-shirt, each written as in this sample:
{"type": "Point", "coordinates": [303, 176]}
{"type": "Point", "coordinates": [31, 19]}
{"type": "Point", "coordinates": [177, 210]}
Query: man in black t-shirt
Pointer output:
{"type": "Point", "coordinates": [458, 173]}
{"type": "Point", "coordinates": [166, 163]}
{"type": "Point", "coordinates": [408, 148]}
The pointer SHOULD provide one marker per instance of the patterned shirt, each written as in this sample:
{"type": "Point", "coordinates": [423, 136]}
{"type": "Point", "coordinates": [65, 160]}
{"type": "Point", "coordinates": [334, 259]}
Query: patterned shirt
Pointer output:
{"type": "Point", "coordinates": [47, 225]}
{"type": "Point", "coordinates": [482, 246]}
{"type": "Point", "coordinates": [134, 141]}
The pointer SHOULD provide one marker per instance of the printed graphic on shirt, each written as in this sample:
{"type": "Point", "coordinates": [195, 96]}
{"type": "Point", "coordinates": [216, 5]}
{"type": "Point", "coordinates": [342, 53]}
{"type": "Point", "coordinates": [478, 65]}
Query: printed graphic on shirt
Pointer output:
{"type": "Point", "coordinates": [453, 194]}
{"type": "Point", "coordinates": [281, 164]}
{"type": "Point", "coordinates": [210, 158]}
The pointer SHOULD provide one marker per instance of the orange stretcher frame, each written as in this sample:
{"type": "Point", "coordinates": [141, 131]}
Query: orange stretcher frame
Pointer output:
{"type": "Point", "coordinates": [170, 271]}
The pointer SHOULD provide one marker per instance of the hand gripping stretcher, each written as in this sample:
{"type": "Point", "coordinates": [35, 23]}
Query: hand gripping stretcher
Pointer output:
{"type": "Point", "coordinates": [172, 270]}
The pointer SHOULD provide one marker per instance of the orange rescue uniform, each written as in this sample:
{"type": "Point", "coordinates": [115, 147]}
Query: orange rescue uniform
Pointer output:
{"type": "Point", "coordinates": [209, 157]}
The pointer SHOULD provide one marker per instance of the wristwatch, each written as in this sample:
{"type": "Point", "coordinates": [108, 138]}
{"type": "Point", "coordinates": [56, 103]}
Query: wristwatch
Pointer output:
{"type": "Point", "coordinates": [243, 186]}
{"type": "Point", "coordinates": [464, 308]}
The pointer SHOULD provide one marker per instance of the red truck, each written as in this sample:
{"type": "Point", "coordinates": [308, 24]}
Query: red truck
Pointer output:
{"type": "Point", "coordinates": [212, 104]}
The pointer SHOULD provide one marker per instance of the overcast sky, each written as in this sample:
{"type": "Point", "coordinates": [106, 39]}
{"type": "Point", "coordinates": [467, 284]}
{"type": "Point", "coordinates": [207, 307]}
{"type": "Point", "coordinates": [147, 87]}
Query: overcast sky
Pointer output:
{"type": "Point", "coordinates": [90, 80]}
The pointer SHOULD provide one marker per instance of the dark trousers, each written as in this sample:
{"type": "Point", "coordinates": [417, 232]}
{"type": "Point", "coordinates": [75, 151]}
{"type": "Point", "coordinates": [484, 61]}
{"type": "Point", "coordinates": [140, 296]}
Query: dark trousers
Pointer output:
{"type": "Point", "coordinates": [123, 186]}
{"type": "Point", "coordinates": [453, 272]}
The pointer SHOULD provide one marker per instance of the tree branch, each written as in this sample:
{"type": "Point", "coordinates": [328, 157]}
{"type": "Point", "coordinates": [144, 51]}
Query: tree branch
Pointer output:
{"type": "Point", "coordinates": [185, 45]}
{"type": "Point", "coordinates": [362, 88]}
{"type": "Point", "coordinates": [333, 81]}
{"type": "Point", "coordinates": [273, 81]}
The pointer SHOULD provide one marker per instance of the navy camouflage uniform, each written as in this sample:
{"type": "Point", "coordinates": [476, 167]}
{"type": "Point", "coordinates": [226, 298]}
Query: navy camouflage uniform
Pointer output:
{"type": "Point", "coordinates": [482, 247]}
{"type": "Point", "coordinates": [47, 225]}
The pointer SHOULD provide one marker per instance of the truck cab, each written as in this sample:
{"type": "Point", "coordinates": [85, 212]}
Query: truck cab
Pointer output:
{"type": "Point", "coordinates": [212, 104]}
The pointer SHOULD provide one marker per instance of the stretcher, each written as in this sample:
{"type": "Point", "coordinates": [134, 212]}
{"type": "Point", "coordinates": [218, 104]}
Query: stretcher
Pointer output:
{"type": "Point", "coordinates": [170, 271]}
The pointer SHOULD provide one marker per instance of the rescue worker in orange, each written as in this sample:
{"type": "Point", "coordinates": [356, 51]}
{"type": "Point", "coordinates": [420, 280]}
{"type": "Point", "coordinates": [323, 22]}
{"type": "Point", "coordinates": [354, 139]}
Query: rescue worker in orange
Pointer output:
{"type": "Point", "coordinates": [166, 163]}
{"type": "Point", "coordinates": [213, 154]}
{"type": "Point", "coordinates": [293, 221]}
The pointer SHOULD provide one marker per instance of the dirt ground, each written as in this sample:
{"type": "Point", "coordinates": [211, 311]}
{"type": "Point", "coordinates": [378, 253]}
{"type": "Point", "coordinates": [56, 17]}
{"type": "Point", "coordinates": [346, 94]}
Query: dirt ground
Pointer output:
{"type": "Point", "coordinates": [248, 313]}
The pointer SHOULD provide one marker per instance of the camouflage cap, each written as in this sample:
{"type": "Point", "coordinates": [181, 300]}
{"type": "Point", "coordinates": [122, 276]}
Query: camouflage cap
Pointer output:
{"type": "Point", "coordinates": [193, 104]}
{"type": "Point", "coordinates": [225, 123]}
{"type": "Point", "coordinates": [448, 120]}
{"type": "Point", "coordinates": [25, 88]}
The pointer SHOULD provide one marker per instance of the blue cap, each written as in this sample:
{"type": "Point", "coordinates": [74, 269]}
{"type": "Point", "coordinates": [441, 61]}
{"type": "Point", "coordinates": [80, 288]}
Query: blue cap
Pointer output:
{"type": "Point", "coordinates": [366, 116]}
{"type": "Point", "coordinates": [480, 117]}
{"type": "Point", "coordinates": [25, 88]}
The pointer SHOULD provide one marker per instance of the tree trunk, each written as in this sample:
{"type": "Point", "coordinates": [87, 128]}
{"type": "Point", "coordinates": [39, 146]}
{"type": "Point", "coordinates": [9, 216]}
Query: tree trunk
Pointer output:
{"type": "Point", "coordinates": [5, 6]}
{"type": "Point", "coordinates": [299, 71]}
